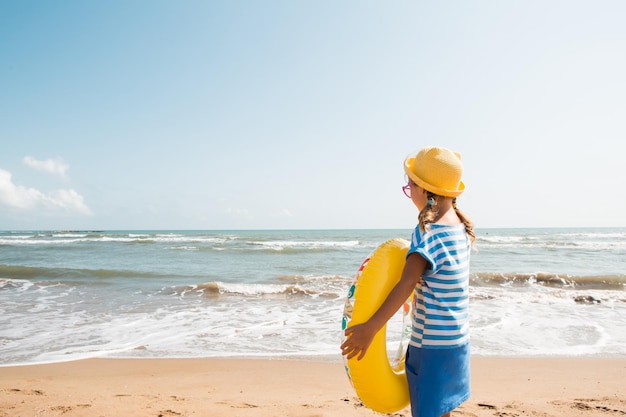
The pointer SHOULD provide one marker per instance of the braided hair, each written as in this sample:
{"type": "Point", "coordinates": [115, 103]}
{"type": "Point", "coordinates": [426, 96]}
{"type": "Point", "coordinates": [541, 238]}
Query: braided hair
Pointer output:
{"type": "Point", "coordinates": [429, 214]}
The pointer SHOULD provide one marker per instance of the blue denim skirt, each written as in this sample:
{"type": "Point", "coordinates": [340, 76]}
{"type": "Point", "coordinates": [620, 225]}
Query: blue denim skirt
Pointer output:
{"type": "Point", "coordinates": [439, 379]}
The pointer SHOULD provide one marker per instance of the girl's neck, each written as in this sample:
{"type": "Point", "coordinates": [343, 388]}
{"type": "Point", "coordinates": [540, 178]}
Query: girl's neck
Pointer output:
{"type": "Point", "coordinates": [446, 213]}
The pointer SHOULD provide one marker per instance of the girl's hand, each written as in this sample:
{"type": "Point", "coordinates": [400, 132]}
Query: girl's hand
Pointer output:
{"type": "Point", "coordinates": [360, 336]}
{"type": "Point", "coordinates": [359, 339]}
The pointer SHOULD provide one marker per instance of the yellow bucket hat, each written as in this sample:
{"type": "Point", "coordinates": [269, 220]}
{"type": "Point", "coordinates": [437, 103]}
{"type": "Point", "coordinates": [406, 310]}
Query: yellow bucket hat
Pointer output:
{"type": "Point", "coordinates": [437, 170]}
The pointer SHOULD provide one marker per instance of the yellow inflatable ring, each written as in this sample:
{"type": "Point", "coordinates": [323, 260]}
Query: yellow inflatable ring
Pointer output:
{"type": "Point", "coordinates": [380, 385]}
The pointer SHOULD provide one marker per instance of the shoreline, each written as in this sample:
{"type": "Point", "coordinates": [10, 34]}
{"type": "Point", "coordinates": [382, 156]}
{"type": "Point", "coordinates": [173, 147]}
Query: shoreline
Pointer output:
{"type": "Point", "coordinates": [261, 387]}
{"type": "Point", "coordinates": [326, 358]}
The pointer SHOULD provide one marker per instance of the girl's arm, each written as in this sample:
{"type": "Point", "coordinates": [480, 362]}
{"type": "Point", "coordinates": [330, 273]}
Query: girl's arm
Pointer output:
{"type": "Point", "coordinates": [360, 336]}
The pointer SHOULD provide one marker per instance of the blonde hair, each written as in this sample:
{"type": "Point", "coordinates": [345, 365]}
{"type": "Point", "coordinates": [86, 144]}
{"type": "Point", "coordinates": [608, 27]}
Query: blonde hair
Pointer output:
{"type": "Point", "coordinates": [429, 214]}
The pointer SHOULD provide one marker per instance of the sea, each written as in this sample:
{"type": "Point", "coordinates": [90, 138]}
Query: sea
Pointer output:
{"type": "Point", "coordinates": [67, 295]}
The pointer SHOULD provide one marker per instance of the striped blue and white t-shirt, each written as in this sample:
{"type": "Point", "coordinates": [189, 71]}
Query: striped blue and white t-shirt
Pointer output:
{"type": "Point", "coordinates": [441, 300]}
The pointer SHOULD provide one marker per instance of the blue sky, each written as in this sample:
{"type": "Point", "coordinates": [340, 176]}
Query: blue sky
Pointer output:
{"type": "Point", "coordinates": [294, 114]}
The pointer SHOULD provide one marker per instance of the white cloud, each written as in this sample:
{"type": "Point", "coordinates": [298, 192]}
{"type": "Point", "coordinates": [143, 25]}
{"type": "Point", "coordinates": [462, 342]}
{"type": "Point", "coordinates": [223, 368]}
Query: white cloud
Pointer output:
{"type": "Point", "coordinates": [15, 195]}
{"type": "Point", "coordinates": [49, 166]}
{"type": "Point", "coordinates": [69, 200]}
{"type": "Point", "coordinates": [23, 198]}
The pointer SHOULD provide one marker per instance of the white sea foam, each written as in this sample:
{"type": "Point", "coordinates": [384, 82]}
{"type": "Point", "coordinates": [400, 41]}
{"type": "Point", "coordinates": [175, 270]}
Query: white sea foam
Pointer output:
{"type": "Point", "coordinates": [287, 244]}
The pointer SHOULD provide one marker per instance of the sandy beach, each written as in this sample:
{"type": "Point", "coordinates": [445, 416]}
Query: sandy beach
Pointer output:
{"type": "Point", "coordinates": [263, 388]}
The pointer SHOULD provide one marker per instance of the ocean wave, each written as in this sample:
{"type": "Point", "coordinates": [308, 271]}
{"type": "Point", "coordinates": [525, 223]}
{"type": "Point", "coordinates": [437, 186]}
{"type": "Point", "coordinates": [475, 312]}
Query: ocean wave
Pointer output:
{"type": "Point", "coordinates": [219, 288]}
{"type": "Point", "coordinates": [69, 238]}
{"type": "Point", "coordinates": [547, 279]}
{"type": "Point", "coordinates": [280, 245]}
{"type": "Point", "coordinates": [578, 240]}
{"type": "Point", "coordinates": [512, 244]}
{"type": "Point", "coordinates": [14, 284]}
{"type": "Point", "coordinates": [176, 241]}
{"type": "Point", "coordinates": [18, 272]}
{"type": "Point", "coordinates": [270, 247]}
{"type": "Point", "coordinates": [252, 289]}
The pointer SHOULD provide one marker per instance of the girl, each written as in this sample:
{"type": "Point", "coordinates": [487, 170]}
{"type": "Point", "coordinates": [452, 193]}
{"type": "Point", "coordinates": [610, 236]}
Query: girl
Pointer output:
{"type": "Point", "coordinates": [437, 272]}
